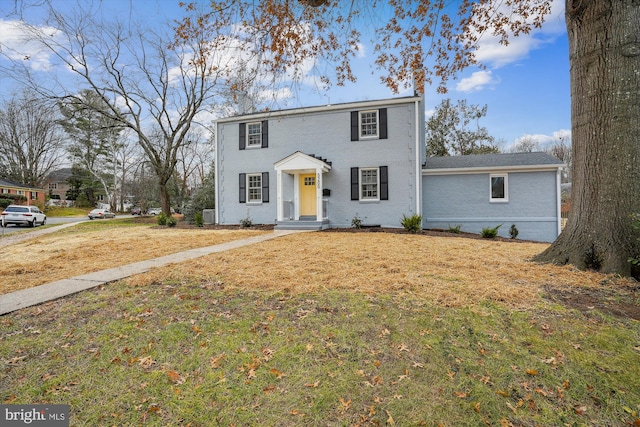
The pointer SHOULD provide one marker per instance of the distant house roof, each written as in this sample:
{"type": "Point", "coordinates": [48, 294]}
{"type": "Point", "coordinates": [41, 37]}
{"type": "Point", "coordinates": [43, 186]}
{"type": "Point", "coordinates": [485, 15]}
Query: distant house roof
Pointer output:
{"type": "Point", "coordinates": [479, 162]}
{"type": "Point", "coordinates": [11, 184]}
{"type": "Point", "coordinates": [60, 175]}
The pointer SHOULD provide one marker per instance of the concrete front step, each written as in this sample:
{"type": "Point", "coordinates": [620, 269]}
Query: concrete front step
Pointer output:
{"type": "Point", "coordinates": [301, 225]}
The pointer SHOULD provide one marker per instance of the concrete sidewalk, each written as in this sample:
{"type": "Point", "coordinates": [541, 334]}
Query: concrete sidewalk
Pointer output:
{"type": "Point", "coordinates": [50, 291]}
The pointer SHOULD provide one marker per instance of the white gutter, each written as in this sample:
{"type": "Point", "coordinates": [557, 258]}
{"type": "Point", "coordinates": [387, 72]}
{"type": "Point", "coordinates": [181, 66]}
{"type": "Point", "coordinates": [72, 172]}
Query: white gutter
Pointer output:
{"type": "Point", "coordinates": [484, 169]}
{"type": "Point", "coordinates": [559, 200]}
{"type": "Point", "coordinates": [216, 174]}
{"type": "Point", "coordinates": [322, 108]}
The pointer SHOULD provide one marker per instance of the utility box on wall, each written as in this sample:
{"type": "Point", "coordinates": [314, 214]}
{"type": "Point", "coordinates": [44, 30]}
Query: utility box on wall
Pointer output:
{"type": "Point", "coordinates": [209, 216]}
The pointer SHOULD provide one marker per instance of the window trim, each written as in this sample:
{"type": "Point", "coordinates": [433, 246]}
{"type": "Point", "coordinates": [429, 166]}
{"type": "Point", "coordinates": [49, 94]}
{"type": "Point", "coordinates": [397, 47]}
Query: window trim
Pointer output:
{"type": "Point", "coordinates": [377, 134]}
{"type": "Point", "coordinates": [248, 135]}
{"type": "Point", "coordinates": [504, 199]}
{"type": "Point", "coordinates": [248, 188]}
{"type": "Point", "coordinates": [361, 184]}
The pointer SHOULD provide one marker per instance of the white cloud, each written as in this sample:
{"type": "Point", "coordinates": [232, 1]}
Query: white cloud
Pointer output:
{"type": "Point", "coordinates": [478, 81]}
{"type": "Point", "coordinates": [17, 44]}
{"type": "Point", "coordinates": [543, 141]}
{"type": "Point", "coordinates": [494, 54]}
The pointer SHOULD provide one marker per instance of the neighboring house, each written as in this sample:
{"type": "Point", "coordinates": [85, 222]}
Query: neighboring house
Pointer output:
{"type": "Point", "coordinates": [323, 167]}
{"type": "Point", "coordinates": [57, 183]}
{"type": "Point", "coordinates": [32, 196]}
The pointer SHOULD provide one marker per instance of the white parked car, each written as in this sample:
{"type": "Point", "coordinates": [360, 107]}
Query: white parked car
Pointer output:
{"type": "Point", "coordinates": [101, 213]}
{"type": "Point", "coordinates": [154, 211]}
{"type": "Point", "coordinates": [23, 215]}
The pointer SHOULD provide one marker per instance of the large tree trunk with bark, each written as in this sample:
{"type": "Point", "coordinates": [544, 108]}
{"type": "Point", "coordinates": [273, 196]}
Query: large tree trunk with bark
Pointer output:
{"type": "Point", "coordinates": [604, 48]}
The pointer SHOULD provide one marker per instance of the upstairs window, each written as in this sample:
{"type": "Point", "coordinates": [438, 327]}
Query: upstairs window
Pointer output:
{"type": "Point", "coordinates": [499, 188]}
{"type": "Point", "coordinates": [254, 135]}
{"type": "Point", "coordinates": [369, 124]}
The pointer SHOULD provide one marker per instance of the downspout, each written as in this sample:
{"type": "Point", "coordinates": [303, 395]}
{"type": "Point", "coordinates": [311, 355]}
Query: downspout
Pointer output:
{"type": "Point", "coordinates": [216, 174]}
{"type": "Point", "coordinates": [418, 164]}
{"type": "Point", "coordinates": [559, 200]}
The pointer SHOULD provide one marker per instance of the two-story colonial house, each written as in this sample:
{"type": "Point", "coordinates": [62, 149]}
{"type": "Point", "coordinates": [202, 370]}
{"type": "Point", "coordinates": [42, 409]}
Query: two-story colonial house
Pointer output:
{"type": "Point", "coordinates": [323, 167]}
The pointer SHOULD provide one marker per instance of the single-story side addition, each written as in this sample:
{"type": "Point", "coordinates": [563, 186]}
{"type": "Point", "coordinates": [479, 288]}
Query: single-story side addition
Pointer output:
{"type": "Point", "coordinates": [328, 166]}
{"type": "Point", "coordinates": [484, 191]}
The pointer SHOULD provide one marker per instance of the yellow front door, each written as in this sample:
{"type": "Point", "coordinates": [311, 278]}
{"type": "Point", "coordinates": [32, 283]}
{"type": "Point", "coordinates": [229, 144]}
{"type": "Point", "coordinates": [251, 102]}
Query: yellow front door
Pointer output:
{"type": "Point", "coordinates": [308, 195]}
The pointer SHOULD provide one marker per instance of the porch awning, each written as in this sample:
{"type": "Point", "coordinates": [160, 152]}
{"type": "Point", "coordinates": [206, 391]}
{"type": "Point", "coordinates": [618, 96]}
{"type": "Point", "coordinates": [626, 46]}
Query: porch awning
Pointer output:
{"type": "Point", "coordinates": [300, 161]}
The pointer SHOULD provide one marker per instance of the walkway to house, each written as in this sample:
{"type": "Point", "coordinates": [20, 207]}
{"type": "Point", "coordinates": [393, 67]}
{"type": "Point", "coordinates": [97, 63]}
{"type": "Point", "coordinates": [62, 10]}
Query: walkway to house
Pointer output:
{"type": "Point", "coordinates": [37, 295]}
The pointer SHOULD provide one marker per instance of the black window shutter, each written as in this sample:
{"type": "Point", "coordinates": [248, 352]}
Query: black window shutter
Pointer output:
{"type": "Point", "coordinates": [243, 135]}
{"type": "Point", "coordinates": [355, 190]}
{"type": "Point", "coordinates": [384, 183]}
{"type": "Point", "coordinates": [243, 188]}
{"type": "Point", "coordinates": [265, 134]}
{"type": "Point", "coordinates": [355, 128]}
{"type": "Point", "coordinates": [265, 187]}
{"type": "Point", "coordinates": [382, 116]}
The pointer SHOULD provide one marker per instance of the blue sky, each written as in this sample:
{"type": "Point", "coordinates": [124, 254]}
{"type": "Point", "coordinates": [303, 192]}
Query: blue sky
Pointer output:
{"type": "Point", "coordinates": [525, 85]}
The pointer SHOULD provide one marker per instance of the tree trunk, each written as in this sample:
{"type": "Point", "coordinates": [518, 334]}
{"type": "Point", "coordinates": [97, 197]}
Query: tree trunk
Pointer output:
{"type": "Point", "coordinates": [604, 49]}
{"type": "Point", "coordinates": [165, 201]}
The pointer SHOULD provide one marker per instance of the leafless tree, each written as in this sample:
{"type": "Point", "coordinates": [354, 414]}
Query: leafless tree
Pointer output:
{"type": "Point", "coordinates": [145, 86]}
{"type": "Point", "coordinates": [31, 139]}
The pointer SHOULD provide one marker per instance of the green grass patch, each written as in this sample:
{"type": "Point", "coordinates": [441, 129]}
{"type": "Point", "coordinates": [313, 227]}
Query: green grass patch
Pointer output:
{"type": "Point", "coordinates": [178, 353]}
{"type": "Point", "coordinates": [57, 211]}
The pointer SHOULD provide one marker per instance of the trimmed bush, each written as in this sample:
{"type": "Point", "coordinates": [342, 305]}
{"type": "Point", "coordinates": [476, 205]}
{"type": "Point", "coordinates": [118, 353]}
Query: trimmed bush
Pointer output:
{"type": "Point", "coordinates": [198, 219]}
{"type": "Point", "coordinates": [356, 222]}
{"type": "Point", "coordinates": [490, 233]}
{"type": "Point", "coordinates": [412, 224]}
{"type": "Point", "coordinates": [455, 229]}
{"type": "Point", "coordinates": [162, 219]}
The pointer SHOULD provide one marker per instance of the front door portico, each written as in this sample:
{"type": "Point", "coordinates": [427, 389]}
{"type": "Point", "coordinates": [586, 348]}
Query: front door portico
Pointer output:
{"type": "Point", "coordinates": [303, 196]}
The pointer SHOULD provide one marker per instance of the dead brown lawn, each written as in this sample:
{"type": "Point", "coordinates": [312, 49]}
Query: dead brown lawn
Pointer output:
{"type": "Point", "coordinates": [451, 271]}
{"type": "Point", "coordinates": [71, 252]}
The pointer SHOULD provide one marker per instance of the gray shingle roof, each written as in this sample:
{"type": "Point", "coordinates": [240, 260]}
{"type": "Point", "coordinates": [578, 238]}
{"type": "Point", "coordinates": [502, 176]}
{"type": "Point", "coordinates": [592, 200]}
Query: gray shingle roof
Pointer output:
{"type": "Point", "coordinates": [491, 160]}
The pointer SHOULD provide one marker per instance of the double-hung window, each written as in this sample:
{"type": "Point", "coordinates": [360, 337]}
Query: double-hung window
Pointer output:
{"type": "Point", "coordinates": [370, 184]}
{"type": "Point", "coordinates": [254, 134]}
{"type": "Point", "coordinates": [254, 188]}
{"type": "Point", "coordinates": [369, 124]}
{"type": "Point", "coordinates": [499, 188]}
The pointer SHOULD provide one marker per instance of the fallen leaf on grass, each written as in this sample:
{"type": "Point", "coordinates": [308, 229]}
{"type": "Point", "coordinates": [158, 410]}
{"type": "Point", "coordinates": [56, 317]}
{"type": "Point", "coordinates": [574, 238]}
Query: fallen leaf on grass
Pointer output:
{"type": "Point", "coordinates": [461, 394]}
{"type": "Point", "coordinates": [346, 404]}
{"type": "Point", "coordinates": [531, 372]}
{"type": "Point", "coordinates": [580, 410]}
{"type": "Point", "coordinates": [313, 385]}
{"type": "Point", "coordinates": [175, 377]}
{"type": "Point", "coordinates": [276, 373]}
{"type": "Point", "coordinates": [146, 362]}
{"type": "Point", "coordinates": [503, 393]}
{"type": "Point", "coordinates": [216, 361]}
{"type": "Point", "coordinates": [390, 419]}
